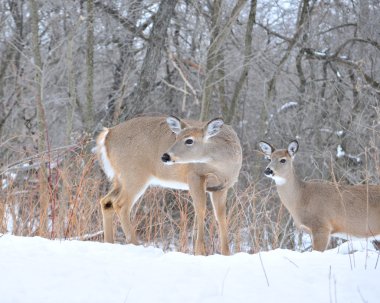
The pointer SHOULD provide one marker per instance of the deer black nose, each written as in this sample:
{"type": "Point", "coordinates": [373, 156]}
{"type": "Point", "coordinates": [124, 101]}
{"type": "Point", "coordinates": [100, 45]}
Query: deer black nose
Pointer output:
{"type": "Point", "coordinates": [268, 171]}
{"type": "Point", "coordinates": [165, 157]}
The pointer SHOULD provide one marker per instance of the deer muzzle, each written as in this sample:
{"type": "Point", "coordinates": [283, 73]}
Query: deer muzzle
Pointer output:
{"type": "Point", "coordinates": [165, 158]}
{"type": "Point", "coordinates": [268, 172]}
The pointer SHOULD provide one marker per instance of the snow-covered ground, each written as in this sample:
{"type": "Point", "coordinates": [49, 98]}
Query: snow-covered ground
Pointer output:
{"type": "Point", "coordinates": [40, 270]}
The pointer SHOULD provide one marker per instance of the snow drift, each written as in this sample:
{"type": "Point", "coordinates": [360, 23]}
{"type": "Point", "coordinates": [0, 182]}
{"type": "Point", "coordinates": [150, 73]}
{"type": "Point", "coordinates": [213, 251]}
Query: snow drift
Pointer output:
{"type": "Point", "coordinates": [40, 270]}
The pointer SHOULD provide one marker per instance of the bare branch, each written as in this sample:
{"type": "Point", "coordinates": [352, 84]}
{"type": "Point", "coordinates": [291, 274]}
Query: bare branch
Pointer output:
{"type": "Point", "coordinates": [271, 32]}
{"type": "Point", "coordinates": [313, 54]}
{"type": "Point", "coordinates": [138, 31]}
{"type": "Point", "coordinates": [337, 27]}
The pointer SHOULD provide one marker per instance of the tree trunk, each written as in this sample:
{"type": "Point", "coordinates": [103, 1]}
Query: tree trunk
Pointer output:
{"type": "Point", "coordinates": [125, 65]}
{"type": "Point", "coordinates": [247, 57]}
{"type": "Point", "coordinates": [303, 15]}
{"type": "Point", "coordinates": [90, 65]}
{"type": "Point", "coordinates": [71, 87]}
{"type": "Point", "coordinates": [211, 60]}
{"type": "Point", "coordinates": [140, 96]}
{"type": "Point", "coordinates": [218, 36]}
{"type": "Point", "coordinates": [12, 55]}
{"type": "Point", "coordinates": [41, 121]}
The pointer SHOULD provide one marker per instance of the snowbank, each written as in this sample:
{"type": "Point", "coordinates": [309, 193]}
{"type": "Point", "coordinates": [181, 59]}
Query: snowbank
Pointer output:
{"type": "Point", "coordinates": [40, 270]}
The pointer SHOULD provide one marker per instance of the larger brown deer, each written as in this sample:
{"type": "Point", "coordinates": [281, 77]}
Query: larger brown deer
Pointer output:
{"type": "Point", "coordinates": [169, 152]}
{"type": "Point", "coordinates": [320, 208]}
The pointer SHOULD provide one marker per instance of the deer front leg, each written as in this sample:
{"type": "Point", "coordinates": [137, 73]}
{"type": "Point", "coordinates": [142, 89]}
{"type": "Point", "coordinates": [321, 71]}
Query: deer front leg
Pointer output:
{"type": "Point", "coordinates": [321, 238]}
{"type": "Point", "coordinates": [124, 213]}
{"type": "Point", "coordinates": [197, 188]}
{"type": "Point", "coordinates": [124, 207]}
{"type": "Point", "coordinates": [218, 200]}
{"type": "Point", "coordinates": [133, 188]}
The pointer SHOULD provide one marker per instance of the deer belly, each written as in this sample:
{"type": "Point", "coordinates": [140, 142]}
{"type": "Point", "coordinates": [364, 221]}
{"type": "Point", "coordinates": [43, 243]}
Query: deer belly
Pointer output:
{"type": "Point", "coordinates": [168, 184]}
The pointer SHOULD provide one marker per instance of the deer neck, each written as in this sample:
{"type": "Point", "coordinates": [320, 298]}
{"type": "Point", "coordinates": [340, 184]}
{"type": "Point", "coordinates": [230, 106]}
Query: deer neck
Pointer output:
{"type": "Point", "coordinates": [290, 191]}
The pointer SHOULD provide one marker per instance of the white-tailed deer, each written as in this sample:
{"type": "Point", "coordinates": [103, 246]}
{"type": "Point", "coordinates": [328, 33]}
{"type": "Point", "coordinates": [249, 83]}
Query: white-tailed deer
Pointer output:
{"type": "Point", "coordinates": [169, 152]}
{"type": "Point", "coordinates": [321, 208]}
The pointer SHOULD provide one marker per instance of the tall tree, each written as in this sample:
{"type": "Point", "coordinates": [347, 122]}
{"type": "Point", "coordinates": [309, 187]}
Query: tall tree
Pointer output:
{"type": "Point", "coordinates": [229, 112]}
{"type": "Point", "coordinates": [154, 53]}
{"type": "Point", "coordinates": [41, 120]}
{"type": "Point", "coordinates": [11, 56]}
{"type": "Point", "coordinates": [126, 63]}
{"type": "Point", "coordinates": [90, 66]}
{"type": "Point", "coordinates": [218, 35]}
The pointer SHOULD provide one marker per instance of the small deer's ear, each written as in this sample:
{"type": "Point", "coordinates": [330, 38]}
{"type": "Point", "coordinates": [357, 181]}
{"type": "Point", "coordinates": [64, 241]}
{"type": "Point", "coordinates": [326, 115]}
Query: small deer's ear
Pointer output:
{"type": "Point", "coordinates": [293, 148]}
{"type": "Point", "coordinates": [175, 124]}
{"type": "Point", "coordinates": [266, 148]}
{"type": "Point", "coordinates": [213, 127]}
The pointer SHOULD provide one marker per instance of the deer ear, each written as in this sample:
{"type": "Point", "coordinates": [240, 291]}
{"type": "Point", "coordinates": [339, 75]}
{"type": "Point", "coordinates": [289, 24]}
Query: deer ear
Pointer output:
{"type": "Point", "coordinates": [266, 148]}
{"type": "Point", "coordinates": [175, 124]}
{"type": "Point", "coordinates": [293, 148]}
{"type": "Point", "coordinates": [213, 127]}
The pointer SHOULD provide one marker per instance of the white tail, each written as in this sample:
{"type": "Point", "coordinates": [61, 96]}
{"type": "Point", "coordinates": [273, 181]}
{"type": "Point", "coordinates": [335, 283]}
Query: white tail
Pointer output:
{"type": "Point", "coordinates": [169, 152]}
{"type": "Point", "coordinates": [320, 208]}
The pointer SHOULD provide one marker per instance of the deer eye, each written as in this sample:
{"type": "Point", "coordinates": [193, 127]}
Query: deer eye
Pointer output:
{"type": "Point", "coordinates": [189, 142]}
{"type": "Point", "coordinates": [282, 160]}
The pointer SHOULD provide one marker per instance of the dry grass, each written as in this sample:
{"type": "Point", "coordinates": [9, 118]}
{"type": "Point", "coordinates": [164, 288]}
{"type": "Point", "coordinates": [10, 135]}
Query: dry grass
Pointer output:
{"type": "Point", "coordinates": [164, 218]}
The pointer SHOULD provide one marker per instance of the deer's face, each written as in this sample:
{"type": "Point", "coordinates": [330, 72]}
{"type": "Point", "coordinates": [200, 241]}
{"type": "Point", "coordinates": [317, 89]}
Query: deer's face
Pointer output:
{"type": "Point", "coordinates": [191, 145]}
{"type": "Point", "coordinates": [280, 166]}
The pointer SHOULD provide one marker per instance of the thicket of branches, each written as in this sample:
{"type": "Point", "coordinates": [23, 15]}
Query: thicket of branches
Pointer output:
{"type": "Point", "coordinates": [275, 70]}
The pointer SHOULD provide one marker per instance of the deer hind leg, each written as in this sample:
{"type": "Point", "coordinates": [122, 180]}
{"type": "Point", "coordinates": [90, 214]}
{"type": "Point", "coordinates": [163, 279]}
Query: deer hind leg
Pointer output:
{"type": "Point", "coordinates": [107, 206]}
{"type": "Point", "coordinates": [218, 200]}
{"type": "Point", "coordinates": [198, 193]}
{"type": "Point", "coordinates": [321, 238]}
{"type": "Point", "coordinates": [124, 213]}
{"type": "Point", "coordinates": [132, 191]}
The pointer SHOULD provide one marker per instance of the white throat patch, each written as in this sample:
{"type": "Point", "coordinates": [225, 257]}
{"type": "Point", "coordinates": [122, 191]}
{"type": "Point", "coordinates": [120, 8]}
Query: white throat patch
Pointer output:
{"type": "Point", "coordinates": [278, 180]}
{"type": "Point", "coordinates": [201, 160]}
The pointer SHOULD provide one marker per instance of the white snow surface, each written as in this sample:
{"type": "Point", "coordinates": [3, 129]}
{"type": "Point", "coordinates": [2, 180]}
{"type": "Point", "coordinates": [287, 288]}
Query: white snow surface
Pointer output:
{"type": "Point", "coordinates": [340, 151]}
{"type": "Point", "coordinates": [41, 270]}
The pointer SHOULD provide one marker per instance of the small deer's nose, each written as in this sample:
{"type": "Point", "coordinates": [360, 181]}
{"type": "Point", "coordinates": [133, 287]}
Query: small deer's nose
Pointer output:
{"type": "Point", "coordinates": [165, 157]}
{"type": "Point", "coordinates": [268, 171]}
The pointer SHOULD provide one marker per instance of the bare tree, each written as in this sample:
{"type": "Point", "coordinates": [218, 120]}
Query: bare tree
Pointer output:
{"type": "Point", "coordinates": [12, 52]}
{"type": "Point", "coordinates": [90, 65]}
{"type": "Point", "coordinates": [218, 36]}
{"type": "Point", "coordinates": [42, 129]}
{"type": "Point", "coordinates": [229, 112]}
{"type": "Point", "coordinates": [141, 94]}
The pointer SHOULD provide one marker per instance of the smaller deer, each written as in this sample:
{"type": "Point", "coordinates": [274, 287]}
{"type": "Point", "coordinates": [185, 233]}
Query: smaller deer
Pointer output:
{"type": "Point", "coordinates": [323, 209]}
{"type": "Point", "coordinates": [201, 157]}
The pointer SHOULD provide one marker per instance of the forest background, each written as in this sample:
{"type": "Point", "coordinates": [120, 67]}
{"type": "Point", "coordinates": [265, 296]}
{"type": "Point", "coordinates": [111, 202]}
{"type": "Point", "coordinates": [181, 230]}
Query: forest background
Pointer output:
{"type": "Point", "coordinates": [275, 70]}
